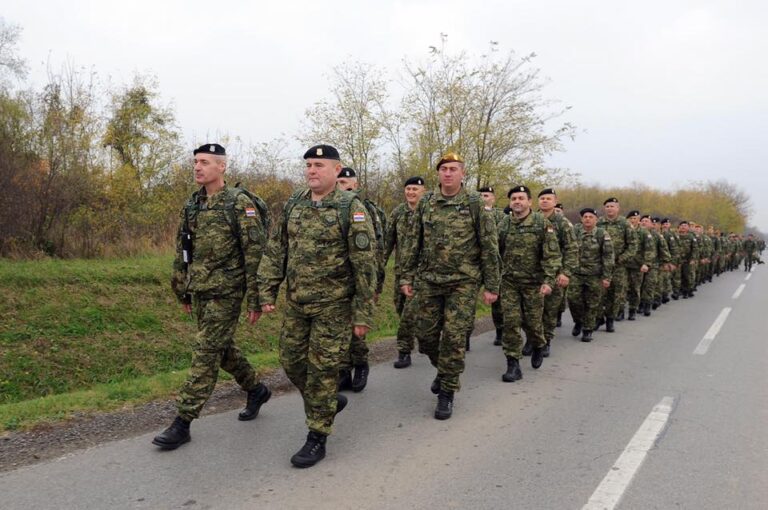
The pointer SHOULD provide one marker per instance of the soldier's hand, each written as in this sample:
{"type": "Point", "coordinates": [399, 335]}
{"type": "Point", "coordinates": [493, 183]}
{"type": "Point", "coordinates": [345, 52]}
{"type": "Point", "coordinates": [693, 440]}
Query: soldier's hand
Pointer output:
{"type": "Point", "coordinates": [644, 268]}
{"type": "Point", "coordinates": [407, 290]}
{"type": "Point", "coordinates": [545, 290]}
{"type": "Point", "coordinates": [563, 281]}
{"type": "Point", "coordinates": [360, 331]}
{"type": "Point", "coordinates": [606, 283]}
{"type": "Point", "coordinates": [267, 308]}
{"type": "Point", "coordinates": [253, 316]}
{"type": "Point", "coordinates": [187, 308]}
{"type": "Point", "coordinates": [489, 297]}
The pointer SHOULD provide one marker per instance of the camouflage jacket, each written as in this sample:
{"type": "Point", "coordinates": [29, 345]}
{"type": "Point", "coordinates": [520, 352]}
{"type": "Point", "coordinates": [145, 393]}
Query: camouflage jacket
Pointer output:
{"type": "Point", "coordinates": [689, 248]}
{"type": "Point", "coordinates": [225, 256]}
{"type": "Point", "coordinates": [624, 243]}
{"type": "Point", "coordinates": [662, 255]}
{"type": "Point", "coordinates": [673, 243]}
{"type": "Point", "coordinates": [320, 265]}
{"type": "Point", "coordinates": [448, 244]}
{"type": "Point", "coordinates": [566, 239]}
{"type": "Point", "coordinates": [379, 219]}
{"type": "Point", "coordinates": [529, 250]}
{"type": "Point", "coordinates": [595, 252]}
{"type": "Point", "coordinates": [398, 227]}
{"type": "Point", "coordinates": [707, 248]}
{"type": "Point", "coordinates": [498, 215]}
{"type": "Point", "coordinates": [646, 249]}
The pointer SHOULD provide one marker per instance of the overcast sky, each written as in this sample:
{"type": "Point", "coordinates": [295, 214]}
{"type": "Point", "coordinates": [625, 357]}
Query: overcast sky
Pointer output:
{"type": "Point", "coordinates": [663, 92]}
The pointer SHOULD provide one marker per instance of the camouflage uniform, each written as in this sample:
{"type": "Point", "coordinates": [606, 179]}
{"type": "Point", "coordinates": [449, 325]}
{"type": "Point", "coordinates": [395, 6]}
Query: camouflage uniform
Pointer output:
{"type": "Point", "coordinates": [400, 223]}
{"type": "Point", "coordinates": [229, 239]}
{"type": "Point", "coordinates": [749, 253]}
{"type": "Point", "coordinates": [451, 253]}
{"type": "Point", "coordinates": [625, 247]}
{"type": "Point", "coordinates": [689, 254]}
{"type": "Point", "coordinates": [669, 276]}
{"type": "Point", "coordinates": [569, 252]}
{"type": "Point", "coordinates": [650, 291]}
{"type": "Point", "coordinates": [644, 256]}
{"type": "Point", "coordinates": [331, 280]}
{"type": "Point", "coordinates": [496, 312]}
{"type": "Point", "coordinates": [530, 257]}
{"type": "Point", "coordinates": [596, 263]}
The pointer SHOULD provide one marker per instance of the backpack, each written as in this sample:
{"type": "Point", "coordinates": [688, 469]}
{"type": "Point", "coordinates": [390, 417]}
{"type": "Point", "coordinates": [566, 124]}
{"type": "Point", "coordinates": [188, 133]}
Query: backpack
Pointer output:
{"type": "Point", "coordinates": [191, 209]}
{"type": "Point", "coordinates": [344, 206]}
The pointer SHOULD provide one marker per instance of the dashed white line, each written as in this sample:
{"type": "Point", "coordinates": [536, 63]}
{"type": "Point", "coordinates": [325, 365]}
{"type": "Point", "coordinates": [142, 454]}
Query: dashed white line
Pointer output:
{"type": "Point", "coordinates": [712, 332]}
{"type": "Point", "coordinates": [611, 489]}
{"type": "Point", "coordinates": [748, 277]}
{"type": "Point", "coordinates": [738, 291]}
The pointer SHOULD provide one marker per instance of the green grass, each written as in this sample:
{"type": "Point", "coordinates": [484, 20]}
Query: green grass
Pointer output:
{"type": "Point", "coordinates": [97, 335]}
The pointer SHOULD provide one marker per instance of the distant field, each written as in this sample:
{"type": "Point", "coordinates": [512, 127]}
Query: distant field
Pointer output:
{"type": "Point", "coordinates": [98, 334]}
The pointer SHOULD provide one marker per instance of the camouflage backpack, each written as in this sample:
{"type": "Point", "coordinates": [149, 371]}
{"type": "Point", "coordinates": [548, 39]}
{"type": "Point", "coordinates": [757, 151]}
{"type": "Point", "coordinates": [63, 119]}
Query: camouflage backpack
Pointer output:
{"type": "Point", "coordinates": [344, 206]}
{"type": "Point", "coordinates": [192, 208]}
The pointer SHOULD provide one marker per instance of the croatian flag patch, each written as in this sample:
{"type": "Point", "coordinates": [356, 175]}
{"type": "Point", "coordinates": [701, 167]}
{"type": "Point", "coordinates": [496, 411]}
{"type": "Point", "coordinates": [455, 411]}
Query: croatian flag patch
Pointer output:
{"type": "Point", "coordinates": [358, 217]}
{"type": "Point", "coordinates": [250, 212]}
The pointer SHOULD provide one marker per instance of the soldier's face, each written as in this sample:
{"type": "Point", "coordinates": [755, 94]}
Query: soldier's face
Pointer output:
{"type": "Point", "coordinates": [413, 193]}
{"type": "Point", "coordinates": [634, 221]}
{"type": "Point", "coordinates": [589, 220]}
{"type": "Point", "coordinates": [488, 198]}
{"type": "Point", "coordinates": [547, 202]}
{"type": "Point", "coordinates": [451, 175]}
{"type": "Point", "coordinates": [208, 168]}
{"type": "Point", "coordinates": [646, 222]}
{"type": "Point", "coordinates": [683, 229]}
{"type": "Point", "coordinates": [611, 209]}
{"type": "Point", "coordinates": [347, 183]}
{"type": "Point", "coordinates": [519, 202]}
{"type": "Point", "coordinates": [321, 174]}
{"type": "Point", "coordinates": [666, 226]}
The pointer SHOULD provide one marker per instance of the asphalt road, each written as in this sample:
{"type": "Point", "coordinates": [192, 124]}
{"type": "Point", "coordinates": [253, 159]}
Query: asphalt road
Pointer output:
{"type": "Point", "coordinates": [569, 435]}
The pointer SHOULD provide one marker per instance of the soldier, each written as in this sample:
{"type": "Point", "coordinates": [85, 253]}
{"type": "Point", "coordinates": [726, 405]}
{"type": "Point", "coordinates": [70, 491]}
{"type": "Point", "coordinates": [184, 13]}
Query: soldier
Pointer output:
{"type": "Point", "coordinates": [530, 258]}
{"type": "Point", "coordinates": [659, 256]}
{"type": "Point", "coordinates": [705, 255]}
{"type": "Point", "coordinates": [689, 255]}
{"type": "Point", "coordinates": [749, 252]}
{"type": "Point", "coordinates": [399, 225]}
{"type": "Point", "coordinates": [489, 201]}
{"type": "Point", "coordinates": [624, 246]}
{"type": "Point", "coordinates": [220, 242]}
{"type": "Point", "coordinates": [566, 240]}
{"type": "Point", "coordinates": [325, 248]}
{"type": "Point", "coordinates": [673, 242]}
{"type": "Point", "coordinates": [639, 265]}
{"type": "Point", "coordinates": [593, 275]}
{"type": "Point", "coordinates": [453, 251]}
{"type": "Point", "coordinates": [357, 354]}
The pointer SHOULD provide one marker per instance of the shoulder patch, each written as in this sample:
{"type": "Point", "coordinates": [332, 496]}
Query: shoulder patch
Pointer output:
{"type": "Point", "coordinates": [550, 229]}
{"type": "Point", "coordinates": [250, 212]}
{"type": "Point", "coordinates": [358, 217]}
{"type": "Point", "coordinates": [607, 236]}
{"type": "Point", "coordinates": [362, 241]}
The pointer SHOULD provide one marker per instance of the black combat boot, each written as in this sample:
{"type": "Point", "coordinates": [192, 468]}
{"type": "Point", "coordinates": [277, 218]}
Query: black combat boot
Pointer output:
{"type": "Point", "coordinates": [665, 298]}
{"type": "Point", "coordinates": [656, 304]}
{"type": "Point", "coordinates": [675, 296]}
{"type": "Point", "coordinates": [685, 294]}
{"type": "Point", "coordinates": [341, 402]}
{"type": "Point", "coordinates": [497, 340]}
{"type": "Point", "coordinates": [174, 436]}
{"type": "Point", "coordinates": [467, 341]}
{"type": "Point", "coordinates": [620, 317]}
{"type": "Point", "coordinates": [435, 388]}
{"type": "Point", "coordinates": [586, 335]}
{"type": "Point", "coordinates": [513, 372]}
{"type": "Point", "coordinates": [632, 313]}
{"type": "Point", "coordinates": [546, 349]}
{"type": "Point", "coordinates": [609, 326]}
{"type": "Point", "coordinates": [576, 331]}
{"type": "Point", "coordinates": [600, 322]}
{"type": "Point", "coordinates": [537, 357]}
{"type": "Point", "coordinates": [256, 398]}
{"type": "Point", "coordinates": [312, 452]}
{"type": "Point", "coordinates": [647, 310]}
{"type": "Point", "coordinates": [345, 380]}
{"type": "Point", "coordinates": [559, 319]}
{"type": "Point", "coordinates": [403, 360]}
{"type": "Point", "coordinates": [527, 348]}
{"type": "Point", "coordinates": [361, 377]}
{"type": "Point", "coordinates": [444, 408]}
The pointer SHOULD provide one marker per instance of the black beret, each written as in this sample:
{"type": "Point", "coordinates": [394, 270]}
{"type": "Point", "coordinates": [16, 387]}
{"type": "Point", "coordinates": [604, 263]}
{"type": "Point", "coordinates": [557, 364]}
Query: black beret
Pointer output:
{"type": "Point", "coordinates": [633, 213]}
{"type": "Point", "coordinates": [347, 172]}
{"type": "Point", "coordinates": [210, 148]}
{"type": "Point", "coordinates": [655, 219]}
{"type": "Point", "coordinates": [644, 216]}
{"type": "Point", "coordinates": [587, 210]}
{"type": "Point", "coordinates": [665, 220]}
{"type": "Point", "coordinates": [486, 189]}
{"type": "Point", "coordinates": [414, 181]}
{"type": "Point", "coordinates": [519, 189]}
{"type": "Point", "coordinates": [683, 223]}
{"type": "Point", "coordinates": [559, 206]}
{"type": "Point", "coordinates": [612, 200]}
{"type": "Point", "coordinates": [322, 152]}
{"type": "Point", "coordinates": [547, 191]}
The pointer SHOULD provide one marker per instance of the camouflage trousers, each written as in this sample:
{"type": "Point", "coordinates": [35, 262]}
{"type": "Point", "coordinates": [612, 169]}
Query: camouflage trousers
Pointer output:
{"type": "Point", "coordinates": [523, 307]}
{"type": "Point", "coordinates": [313, 342]}
{"type": "Point", "coordinates": [687, 277]}
{"type": "Point", "coordinates": [666, 283]}
{"type": "Point", "coordinates": [405, 330]}
{"type": "Point", "coordinates": [356, 354]}
{"type": "Point", "coordinates": [677, 278]}
{"type": "Point", "coordinates": [497, 314]}
{"type": "Point", "coordinates": [584, 300]}
{"type": "Point", "coordinates": [613, 297]}
{"type": "Point", "coordinates": [214, 347]}
{"type": "Point", "coordinates": [553, 305]}
{"type": "Point", "coordinates": [446, 314]}
{"type": "Point", "coordinates": [634, 284]}
{"type": "Point", "coordinates": [648, 289]}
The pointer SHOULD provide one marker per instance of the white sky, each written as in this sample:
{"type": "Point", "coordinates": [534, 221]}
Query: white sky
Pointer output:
{"type": "Point", "coordinates": [664, 92]}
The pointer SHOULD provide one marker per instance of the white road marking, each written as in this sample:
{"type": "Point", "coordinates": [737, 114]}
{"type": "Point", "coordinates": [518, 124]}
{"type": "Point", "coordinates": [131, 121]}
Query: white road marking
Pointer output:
{"type": "Point", "coordinates": [738, 291]}
{"type": "Point", "coordinates": [611, 489]}
{"type": "Point", "coordinates": [748, 277]}
{"type": "Point", "coordinates": [714, 329]}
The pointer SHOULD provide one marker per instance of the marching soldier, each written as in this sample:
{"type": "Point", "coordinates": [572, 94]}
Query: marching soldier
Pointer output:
{"type": "Point", "coordinates": [624, 246]}
{"type": "Point", "coordinates": [489, 201]}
